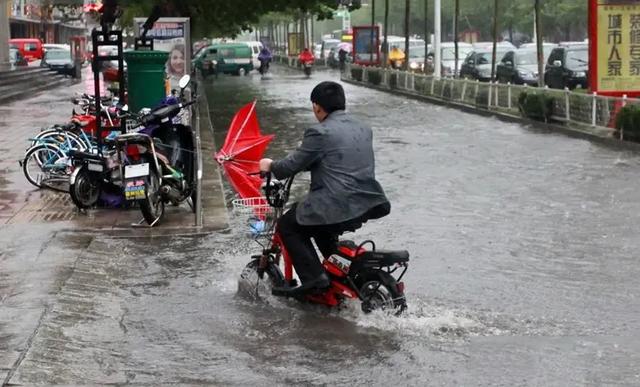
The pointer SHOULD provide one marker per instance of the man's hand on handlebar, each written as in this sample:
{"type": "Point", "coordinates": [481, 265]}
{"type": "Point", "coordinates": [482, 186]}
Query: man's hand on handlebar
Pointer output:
{"type": "Point", "coordinates": [265, 165]}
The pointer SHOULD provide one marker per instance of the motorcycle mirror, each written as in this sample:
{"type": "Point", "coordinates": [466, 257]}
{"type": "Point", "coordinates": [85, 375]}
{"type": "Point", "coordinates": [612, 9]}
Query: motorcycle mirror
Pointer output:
{"type": "Point", "coordinates": [184, 81]}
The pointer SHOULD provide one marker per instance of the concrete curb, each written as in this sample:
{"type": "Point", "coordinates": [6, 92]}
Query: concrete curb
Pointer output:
{"type": "Point", "coordinates": [538, 125]}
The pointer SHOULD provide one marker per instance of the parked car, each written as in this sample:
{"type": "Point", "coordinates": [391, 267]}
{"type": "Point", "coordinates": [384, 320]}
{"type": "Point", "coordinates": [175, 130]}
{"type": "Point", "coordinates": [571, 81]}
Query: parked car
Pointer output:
{"type": "Point", "coordinates": [504, 45]}
{"type": "Point", "coordinates": [477, 65]}
{"type": "Point", "coordinates": [568, 66]}
{"type": "Point", "coordinates": [448, 57]}
{"type": "Point", "coordinates": [16, 59]}
{"type": "Point", "coordinates": [521, 66]}
{"type": "Point", "coordinates": [31, 49]}
{"type": "Point", "coordinates": [59, 61]}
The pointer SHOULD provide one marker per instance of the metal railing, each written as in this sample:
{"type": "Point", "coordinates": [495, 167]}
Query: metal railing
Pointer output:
{"type": "Point", "coordinates": [571, 107]}
{"type": "Point", "coordinates": [294, 62]}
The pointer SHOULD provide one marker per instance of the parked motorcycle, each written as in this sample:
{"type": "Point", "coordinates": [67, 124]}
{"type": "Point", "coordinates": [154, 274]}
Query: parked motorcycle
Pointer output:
{"type": "Point", "coordinates": [161, 142]}
{"type": "Point", "coordinates": [355, 272]}
{"type": "Point", "coordinates": [160, 161]}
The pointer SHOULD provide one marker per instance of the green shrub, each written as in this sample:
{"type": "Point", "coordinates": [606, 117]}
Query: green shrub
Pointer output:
{"type": "Point", "coordinates": [356, 73]}
{"type": "Point", "coordinates": [446, 92]}
{"type": "Point", "coordinates": [538, 107]}
{"type": "Point", "coordinates": [628, 121]}
{"type": "Point", "coordinates": [375, 77]}
{"type": "Point", "coordinates": [482, 99]}
{"type": "Point", "coordinates": [420, 84]}
{"type": "Point", "coordinates": [393, 80]}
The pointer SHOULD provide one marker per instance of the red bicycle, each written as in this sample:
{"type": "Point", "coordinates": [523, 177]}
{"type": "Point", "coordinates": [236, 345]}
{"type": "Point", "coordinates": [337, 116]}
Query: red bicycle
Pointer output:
{"type": "Point", "coordinates": [355, 273]}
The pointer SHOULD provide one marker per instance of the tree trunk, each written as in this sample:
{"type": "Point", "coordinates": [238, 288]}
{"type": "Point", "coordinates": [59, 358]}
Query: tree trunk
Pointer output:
{"type": "Point", "coordinates": [385, 44]}
{"type": "Point", "coordinates": [407, 11]}
{"type": "Point", "coordinates": [539, 44]}
{"type": "Point", "coordinates": [373, 23]}
{"type": "Point", "coordinates": [426, 33]}
{"type": "Point", "coordinates": [456, 18]}
{"type": "Point", "coordinates": [495, 40]}
{"type": "Point", "coordinates": [287, 49]}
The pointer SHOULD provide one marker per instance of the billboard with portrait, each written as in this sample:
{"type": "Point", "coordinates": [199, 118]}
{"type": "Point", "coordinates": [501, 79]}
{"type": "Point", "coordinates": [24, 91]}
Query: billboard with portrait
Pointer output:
{"type": "Point", "coordinates": [171, 34]}
{"type": "Point", "coordinates": [364, 52]}
{"type": "Point", "coordinates": [614, 47]}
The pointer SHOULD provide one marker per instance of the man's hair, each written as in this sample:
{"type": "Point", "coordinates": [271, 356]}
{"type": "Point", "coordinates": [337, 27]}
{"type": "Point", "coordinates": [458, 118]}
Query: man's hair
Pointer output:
{"type": "Point", "coordinates": [329, 96]}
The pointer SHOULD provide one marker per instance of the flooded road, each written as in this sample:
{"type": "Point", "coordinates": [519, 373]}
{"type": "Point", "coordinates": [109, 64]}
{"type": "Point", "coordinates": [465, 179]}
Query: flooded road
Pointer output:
{"type": "Point", "coordinates": [524, 269]}
{"type": "Point", "coordinates": [524, 250]}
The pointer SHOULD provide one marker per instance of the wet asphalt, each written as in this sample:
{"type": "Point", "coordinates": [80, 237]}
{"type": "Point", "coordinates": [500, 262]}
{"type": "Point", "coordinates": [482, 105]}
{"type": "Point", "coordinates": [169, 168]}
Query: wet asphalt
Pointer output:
{"type": "Point", "coordinates": [524, 269]}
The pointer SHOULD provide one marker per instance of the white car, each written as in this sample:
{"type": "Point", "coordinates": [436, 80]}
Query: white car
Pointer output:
{"type": "Point", "coordinates": [50, 46]}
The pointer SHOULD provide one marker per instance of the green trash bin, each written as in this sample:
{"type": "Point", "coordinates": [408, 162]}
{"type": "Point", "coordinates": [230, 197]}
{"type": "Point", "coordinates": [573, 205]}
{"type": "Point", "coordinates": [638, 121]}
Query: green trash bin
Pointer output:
{"type": "Point", "coordinates": [145, 78]}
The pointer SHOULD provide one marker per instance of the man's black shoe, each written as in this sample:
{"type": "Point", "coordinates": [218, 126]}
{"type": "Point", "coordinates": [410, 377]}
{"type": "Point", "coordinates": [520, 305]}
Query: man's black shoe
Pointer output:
{"type": "Point", "coordinates": [320, 283]}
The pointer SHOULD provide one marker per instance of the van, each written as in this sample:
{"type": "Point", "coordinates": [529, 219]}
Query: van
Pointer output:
{"type": "Point", "coordinates": [230, 58]}
{"type": "Point", "coordinates": [30, 48]}
{"type": "Point", "coordinates": [255, 47]}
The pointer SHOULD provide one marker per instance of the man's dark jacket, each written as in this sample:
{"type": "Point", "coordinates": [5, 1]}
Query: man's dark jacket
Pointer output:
{"type": "Point", "coordinates": [339, 153]}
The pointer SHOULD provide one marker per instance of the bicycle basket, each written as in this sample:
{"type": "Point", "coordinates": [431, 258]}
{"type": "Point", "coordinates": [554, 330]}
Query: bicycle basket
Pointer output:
{"type": "Point", "coordinates": [255, 206]}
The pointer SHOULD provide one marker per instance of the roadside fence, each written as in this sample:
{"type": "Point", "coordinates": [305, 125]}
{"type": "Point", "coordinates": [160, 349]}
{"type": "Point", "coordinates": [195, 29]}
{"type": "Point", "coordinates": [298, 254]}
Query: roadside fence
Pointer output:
{"type": "Point", "coordinates": [294, 62]}
{"type": "Point", "coordinates": [570, 107]}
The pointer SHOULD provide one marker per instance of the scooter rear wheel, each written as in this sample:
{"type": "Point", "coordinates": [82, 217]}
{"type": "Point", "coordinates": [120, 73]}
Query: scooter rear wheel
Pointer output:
{"type": "Point", "coordinates": [85, 190]}
{"type": "Point", "coordinates": [152, 206]}
{"type": "Point", "coordinates": [379, 292]}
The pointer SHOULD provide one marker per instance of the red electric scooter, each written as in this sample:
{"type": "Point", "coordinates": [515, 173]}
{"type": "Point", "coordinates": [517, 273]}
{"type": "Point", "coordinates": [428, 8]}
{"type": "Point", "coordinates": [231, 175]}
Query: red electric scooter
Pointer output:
{"type": "Point", "coordinates": [355, 272]}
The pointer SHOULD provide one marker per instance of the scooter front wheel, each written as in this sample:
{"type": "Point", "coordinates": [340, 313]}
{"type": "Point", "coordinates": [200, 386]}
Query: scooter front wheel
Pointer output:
{"type": "Point", "coordinates": [152, 206]}
{"type": "Point", "coordinates": [256, 282]}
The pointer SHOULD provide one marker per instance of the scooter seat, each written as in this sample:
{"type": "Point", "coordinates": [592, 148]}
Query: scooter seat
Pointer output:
{"type": "Point", "coordinates": [79, 155]}
{"type": "Point", "coordinates": [384, 257]}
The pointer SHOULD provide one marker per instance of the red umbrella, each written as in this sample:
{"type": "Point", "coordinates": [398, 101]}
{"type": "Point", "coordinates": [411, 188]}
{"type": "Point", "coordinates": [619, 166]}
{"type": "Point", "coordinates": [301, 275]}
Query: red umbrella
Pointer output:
{"type": "Point", "coordinates": [242, 150]}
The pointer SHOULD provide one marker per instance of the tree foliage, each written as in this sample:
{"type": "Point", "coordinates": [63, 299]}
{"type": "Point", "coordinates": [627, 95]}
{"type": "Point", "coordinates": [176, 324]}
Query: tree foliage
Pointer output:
{"type": "Point", "coordinates": [229, 17]}
{"type": "Point", "coordinates": [561, 19]}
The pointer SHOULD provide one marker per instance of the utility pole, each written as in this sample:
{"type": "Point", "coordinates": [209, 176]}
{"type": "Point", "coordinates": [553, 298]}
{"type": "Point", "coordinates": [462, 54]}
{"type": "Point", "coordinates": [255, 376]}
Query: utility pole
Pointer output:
{"type": "Point", "coordinates": [436, 39]}
{"type": "Point", "coordinates": [4, 34]}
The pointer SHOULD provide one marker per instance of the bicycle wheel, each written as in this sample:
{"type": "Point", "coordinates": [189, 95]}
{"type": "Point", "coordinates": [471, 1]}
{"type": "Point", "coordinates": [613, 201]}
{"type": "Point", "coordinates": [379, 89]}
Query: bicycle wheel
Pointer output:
{"type": "Point", "coordinates": [42, 162]}
{"type": "Point", "coordinates": [63, 139]}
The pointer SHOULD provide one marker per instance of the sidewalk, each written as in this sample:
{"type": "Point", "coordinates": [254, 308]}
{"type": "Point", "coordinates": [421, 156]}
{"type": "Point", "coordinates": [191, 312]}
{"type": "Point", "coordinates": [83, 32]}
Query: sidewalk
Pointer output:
{"type": "Point", "coordinates": [22, 203]}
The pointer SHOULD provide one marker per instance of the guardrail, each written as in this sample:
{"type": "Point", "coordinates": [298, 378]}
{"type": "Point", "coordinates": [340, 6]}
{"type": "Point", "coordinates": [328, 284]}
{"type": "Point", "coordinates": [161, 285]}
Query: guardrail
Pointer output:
{"type": "Point", "coordinates": [294, 62]}
{"type": "Point", "coordinates": [570, 107]}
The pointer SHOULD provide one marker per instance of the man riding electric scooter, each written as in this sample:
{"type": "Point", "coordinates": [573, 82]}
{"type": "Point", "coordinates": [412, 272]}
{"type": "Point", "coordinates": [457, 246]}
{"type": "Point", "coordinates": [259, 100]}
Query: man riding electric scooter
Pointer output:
{"type": "Point", "coordinates": [344, 193]}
